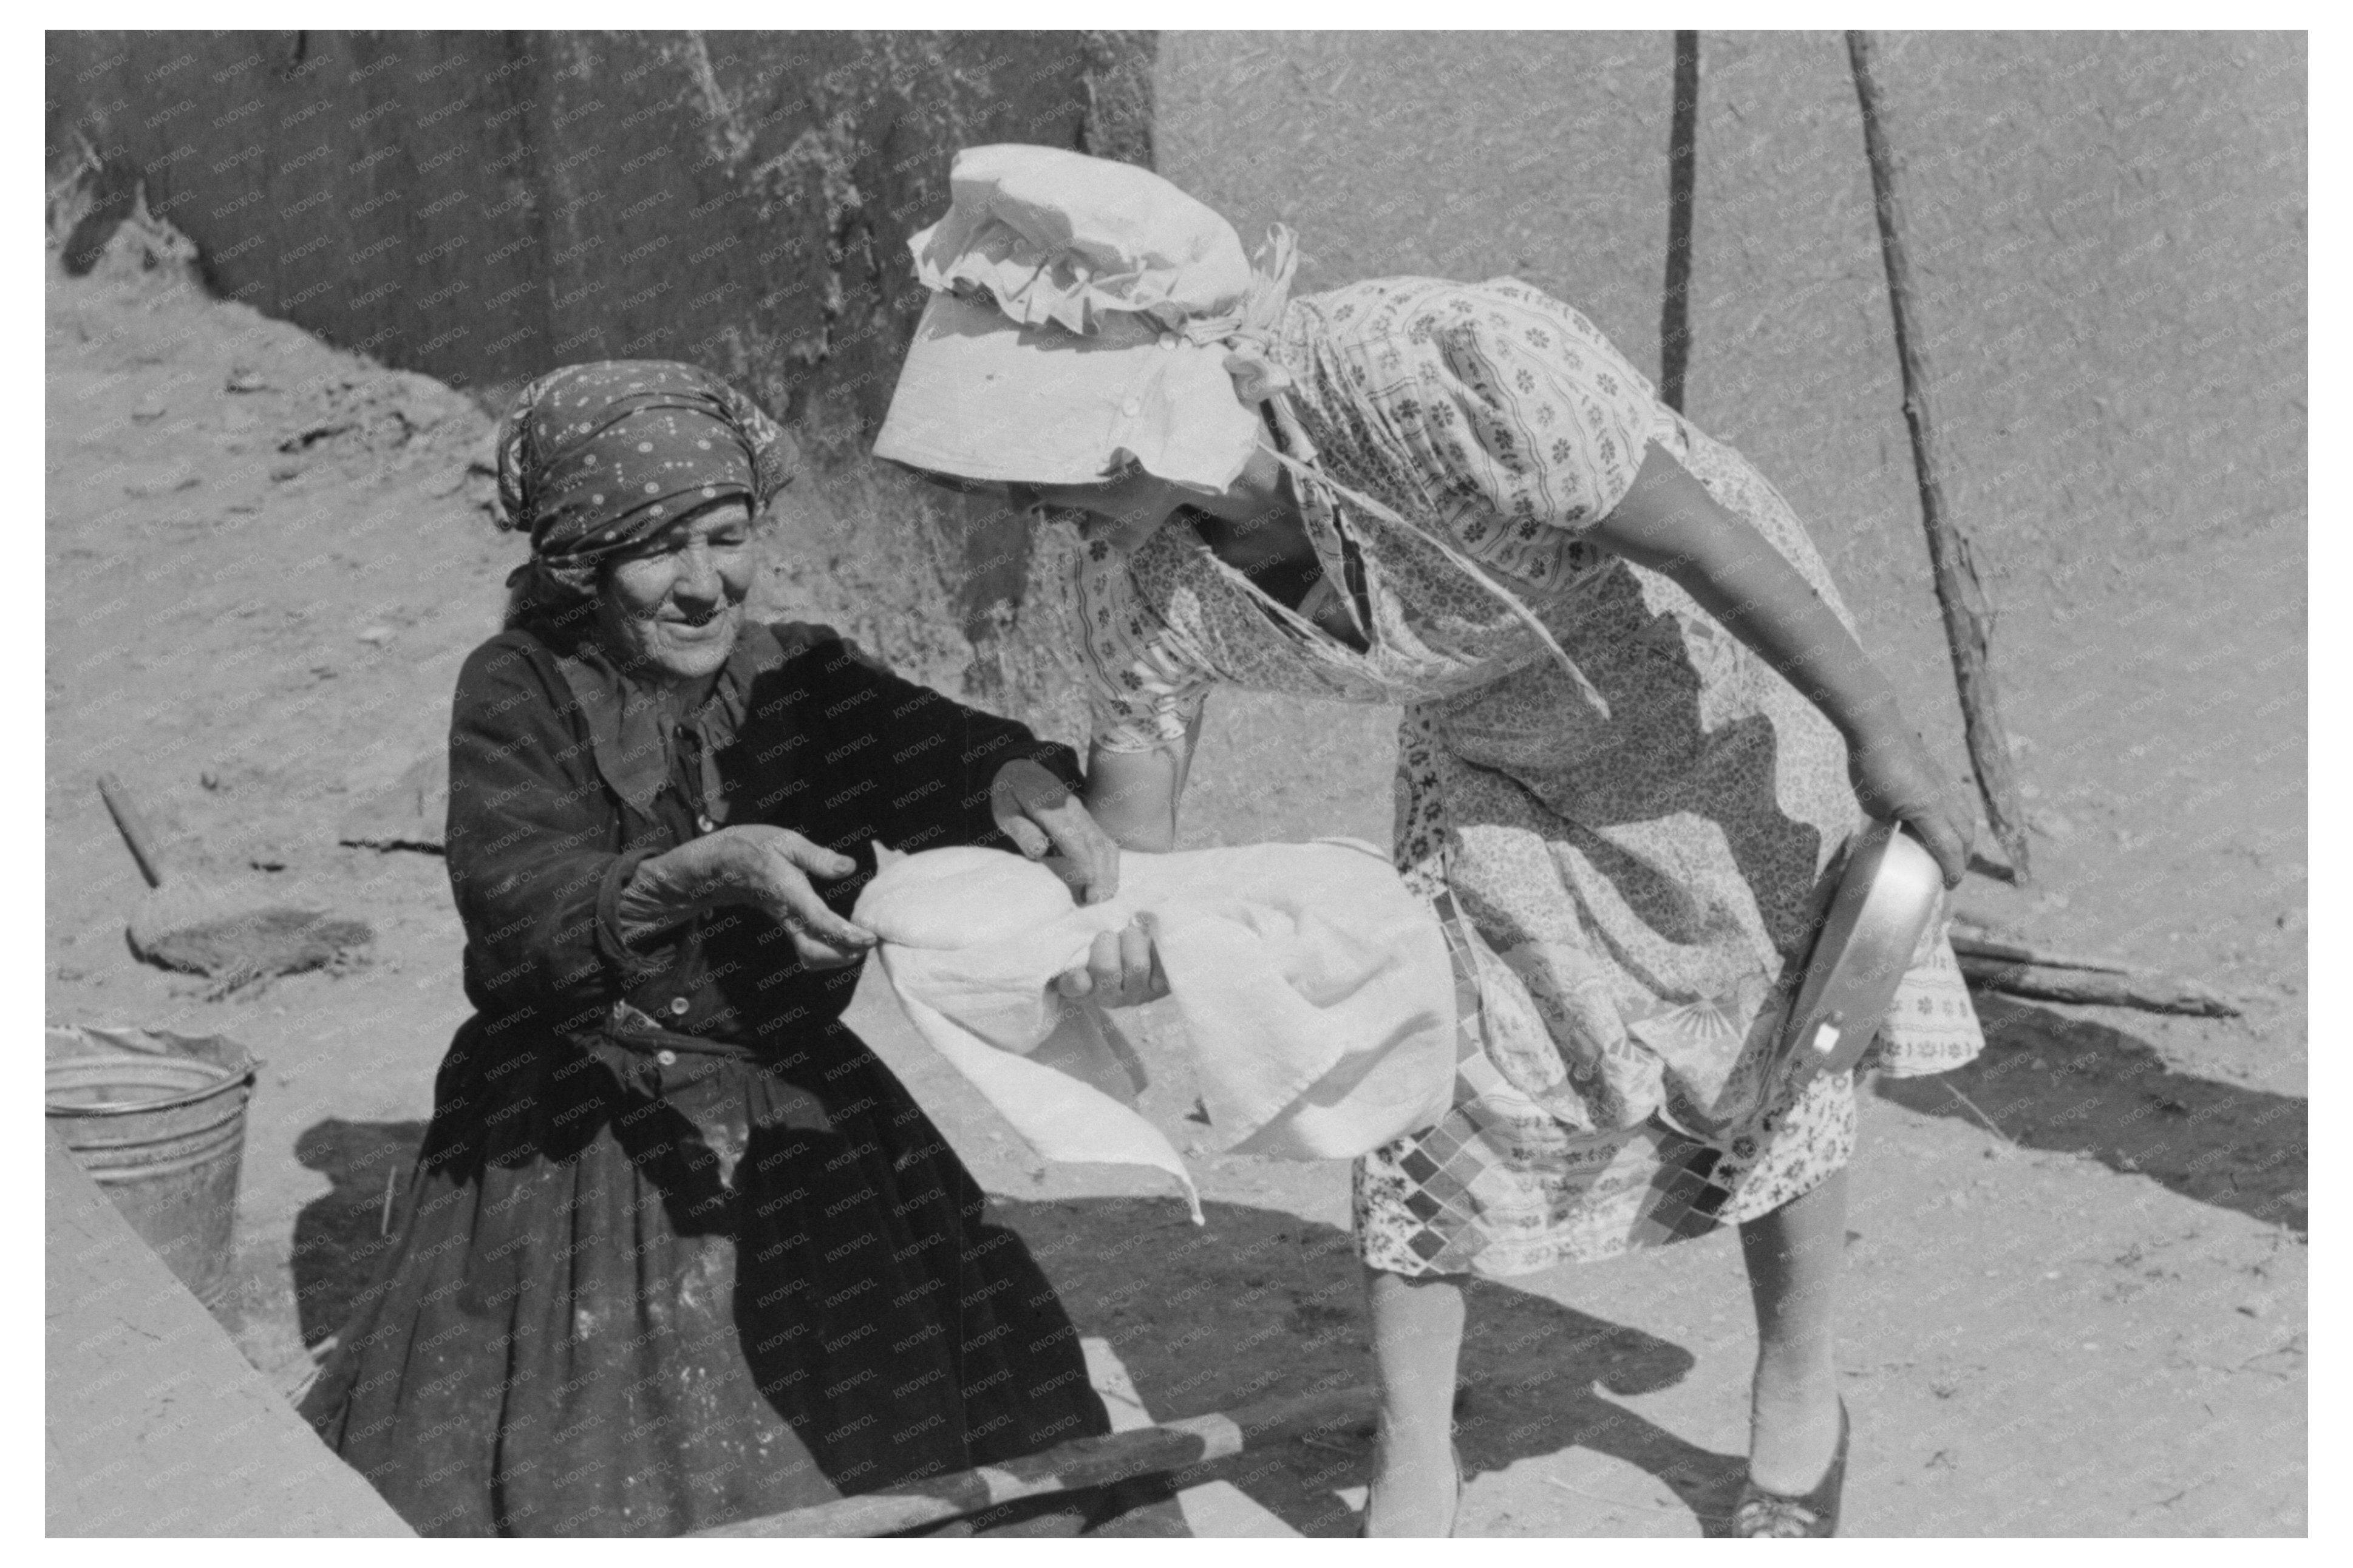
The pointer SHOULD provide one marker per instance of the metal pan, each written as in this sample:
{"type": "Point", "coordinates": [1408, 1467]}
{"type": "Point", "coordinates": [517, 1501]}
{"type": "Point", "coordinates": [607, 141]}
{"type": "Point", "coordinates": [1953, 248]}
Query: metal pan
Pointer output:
{"type": "Point", "coordinates": [1886, 896]}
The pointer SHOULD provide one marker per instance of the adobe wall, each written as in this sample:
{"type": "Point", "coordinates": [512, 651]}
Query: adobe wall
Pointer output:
{"type": "Point", "coordinates": [482, 207]}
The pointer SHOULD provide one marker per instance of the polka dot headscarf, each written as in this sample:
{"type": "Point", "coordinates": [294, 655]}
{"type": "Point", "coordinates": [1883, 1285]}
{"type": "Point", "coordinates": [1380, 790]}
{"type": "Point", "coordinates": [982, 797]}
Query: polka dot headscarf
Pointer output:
{"type": "Point", "coordinates": [594, 459]}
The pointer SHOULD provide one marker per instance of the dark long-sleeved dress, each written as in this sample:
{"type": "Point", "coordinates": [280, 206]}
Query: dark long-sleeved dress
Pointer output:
{"type": "Point", "coordinates": [679, 1251]}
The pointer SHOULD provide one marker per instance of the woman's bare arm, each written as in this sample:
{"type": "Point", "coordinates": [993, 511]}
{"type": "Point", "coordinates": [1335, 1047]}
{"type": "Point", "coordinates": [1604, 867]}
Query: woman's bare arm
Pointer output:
{"type": "Point", "coordinates": [1133, 795]}
{"type": "Point", "coordinates": [1668, 523]}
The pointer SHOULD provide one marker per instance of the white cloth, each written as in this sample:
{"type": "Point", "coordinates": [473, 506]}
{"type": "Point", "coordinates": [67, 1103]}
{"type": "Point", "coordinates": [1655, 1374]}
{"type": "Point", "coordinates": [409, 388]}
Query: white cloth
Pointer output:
{"type": "Point", "coordinates": [1310, 992]}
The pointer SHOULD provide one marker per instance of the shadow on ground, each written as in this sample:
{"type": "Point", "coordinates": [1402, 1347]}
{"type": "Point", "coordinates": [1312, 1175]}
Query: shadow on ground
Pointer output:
{"type": "Point", "coordinates": [1257, 1305]}
{"type": "Point", "coordinates": [338, 1237]}
{"type": "Point", "coordinates": [1261, 1305]}
{"type": "Point", "coordinates": [2050, 1081]}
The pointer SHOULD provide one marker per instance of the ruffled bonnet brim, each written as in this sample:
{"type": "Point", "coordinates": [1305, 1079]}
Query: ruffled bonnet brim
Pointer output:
{"type": "Point", "coordinates": [982, 398]}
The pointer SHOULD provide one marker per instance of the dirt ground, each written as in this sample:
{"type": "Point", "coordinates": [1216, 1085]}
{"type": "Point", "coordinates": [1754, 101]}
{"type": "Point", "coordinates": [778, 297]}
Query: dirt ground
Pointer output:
{"type": "Point", "coordinates": [2077, 1299]}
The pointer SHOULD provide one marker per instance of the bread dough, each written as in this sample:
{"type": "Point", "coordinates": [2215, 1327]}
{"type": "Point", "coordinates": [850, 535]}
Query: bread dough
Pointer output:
{"type": "Point", "coordinates": [1311, 997]}
{"type": "Point", "coordinates": [945, 898]}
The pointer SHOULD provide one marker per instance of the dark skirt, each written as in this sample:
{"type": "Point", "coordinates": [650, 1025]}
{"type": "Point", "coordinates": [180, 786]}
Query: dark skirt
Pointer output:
{"type": "Point", "coordinates": [631, 1297]}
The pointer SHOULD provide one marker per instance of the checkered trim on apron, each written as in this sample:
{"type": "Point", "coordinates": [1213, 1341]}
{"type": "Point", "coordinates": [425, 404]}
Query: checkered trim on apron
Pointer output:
{"type": "Point", "coordinates": [1470, 1182]}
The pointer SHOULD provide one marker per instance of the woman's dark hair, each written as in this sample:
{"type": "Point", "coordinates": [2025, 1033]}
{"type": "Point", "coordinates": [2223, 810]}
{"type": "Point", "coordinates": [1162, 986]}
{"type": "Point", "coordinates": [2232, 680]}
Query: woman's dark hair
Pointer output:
{"type": "Point", "coordinates": [539, 604]}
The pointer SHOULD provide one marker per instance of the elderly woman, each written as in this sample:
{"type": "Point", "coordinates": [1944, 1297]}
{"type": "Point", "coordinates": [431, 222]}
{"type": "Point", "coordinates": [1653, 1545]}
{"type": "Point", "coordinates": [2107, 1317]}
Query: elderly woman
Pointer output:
{"type": "Point", "coordinates": [1638, 733]}
{"type": "Point", "coordinates": [679, 1250]}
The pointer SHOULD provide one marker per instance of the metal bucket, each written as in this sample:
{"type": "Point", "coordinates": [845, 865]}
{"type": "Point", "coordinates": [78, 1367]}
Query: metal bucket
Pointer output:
{"type": "Point", "coordinates": [158, 1121]}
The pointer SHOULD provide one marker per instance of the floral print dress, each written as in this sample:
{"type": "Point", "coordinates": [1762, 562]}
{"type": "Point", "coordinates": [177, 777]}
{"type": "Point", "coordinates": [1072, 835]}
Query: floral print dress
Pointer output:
{"type": "Point", "coordinates": [1629, 866]}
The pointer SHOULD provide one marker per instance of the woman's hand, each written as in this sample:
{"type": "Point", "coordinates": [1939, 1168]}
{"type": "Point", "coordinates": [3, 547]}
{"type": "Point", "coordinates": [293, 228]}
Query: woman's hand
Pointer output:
{"type": "Point", "coordinates": [1040, 814]}
{"type": "Point", "coordinates": [769, 868]}
{"type": "Point", "coordinates": [1895, 781]}
{"type": "Point", "coordinates": [1123, 970]}
{"type": "Point", "coordinates": [766, 867]}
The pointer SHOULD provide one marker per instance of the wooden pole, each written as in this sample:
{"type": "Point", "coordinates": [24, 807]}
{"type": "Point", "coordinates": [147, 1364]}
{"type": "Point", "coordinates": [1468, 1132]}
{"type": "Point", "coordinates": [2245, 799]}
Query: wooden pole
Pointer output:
{"type": "Point", "coordinates": [1682, 172]}
{"type": "Point", "coordinates": [1968, 619]}
{"type": "Point", "coordinates": [1085, 1462]}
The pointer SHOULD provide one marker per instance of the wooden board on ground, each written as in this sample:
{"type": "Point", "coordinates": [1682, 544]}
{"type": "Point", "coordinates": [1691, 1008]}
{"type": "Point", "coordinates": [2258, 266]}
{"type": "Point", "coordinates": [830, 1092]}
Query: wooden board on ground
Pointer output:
{"type": "Point", "coordinates": [155, 1425]}
{"type": "Point", "coordinates": [1067, 1467]}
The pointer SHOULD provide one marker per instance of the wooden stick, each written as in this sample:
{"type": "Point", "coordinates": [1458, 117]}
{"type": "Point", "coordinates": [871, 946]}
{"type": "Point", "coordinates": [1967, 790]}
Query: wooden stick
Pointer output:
{"type": "Point", "coordinates": [2050, 981]}
{"type": "Point", "coordinates": [1973, 942]}
{"type": "Point", "coordinates": [1990, 951]}
{"type": "Point", "coordinates": [132, 823]}
{"type": "Point", "coordinates": [1971, 1106]}
{"type": "Point", "coordinates": [1968, 621]}
{"type": "Point", "coordinates": [1682, 174]}
{"type": "Point", "coordinates": [1085, 1462]}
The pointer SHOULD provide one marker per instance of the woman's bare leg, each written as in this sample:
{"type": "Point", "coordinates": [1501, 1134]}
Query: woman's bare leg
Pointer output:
{"type": "Point", "coordinates": [1794, 1257]}
{"type": "Point", "coordinates": [1417, 1340]}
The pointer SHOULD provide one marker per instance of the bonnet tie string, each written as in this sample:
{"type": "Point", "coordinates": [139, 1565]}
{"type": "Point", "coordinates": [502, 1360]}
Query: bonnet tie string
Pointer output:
{"type": "Point", "coordinates": [1247, 333]}
{"type": "Point", "coordinates": [1460, 562]}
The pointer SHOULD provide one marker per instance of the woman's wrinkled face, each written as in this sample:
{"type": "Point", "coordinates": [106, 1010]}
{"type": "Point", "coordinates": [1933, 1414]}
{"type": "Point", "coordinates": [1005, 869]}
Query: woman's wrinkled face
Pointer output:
{"type": "Point", "coordinates": [670, 610]}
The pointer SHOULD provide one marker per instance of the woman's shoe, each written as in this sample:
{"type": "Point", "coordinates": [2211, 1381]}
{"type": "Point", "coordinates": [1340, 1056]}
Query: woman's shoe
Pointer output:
{"type": "Point", "coordinates": [1763, 1515]}
{"type": "Point", "coordinates": [1365, 1524]}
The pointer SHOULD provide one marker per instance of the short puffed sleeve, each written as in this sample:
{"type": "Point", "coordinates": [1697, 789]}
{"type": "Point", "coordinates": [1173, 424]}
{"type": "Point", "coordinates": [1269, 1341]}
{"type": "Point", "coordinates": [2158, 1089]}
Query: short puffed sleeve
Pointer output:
{"type": "Point", "coordinates": [1144, 687]}
{"type": "Point", "coordinates": [1521, 420]}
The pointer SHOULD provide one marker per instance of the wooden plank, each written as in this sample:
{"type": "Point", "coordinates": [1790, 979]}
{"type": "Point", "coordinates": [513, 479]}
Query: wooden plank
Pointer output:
{"type": "Point", "coordinates": [156, 1425]}
{"type": "Point", "coordinates": [1087, 1462]}
{"type": "Point", "coordinates": [1213, 1510]}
